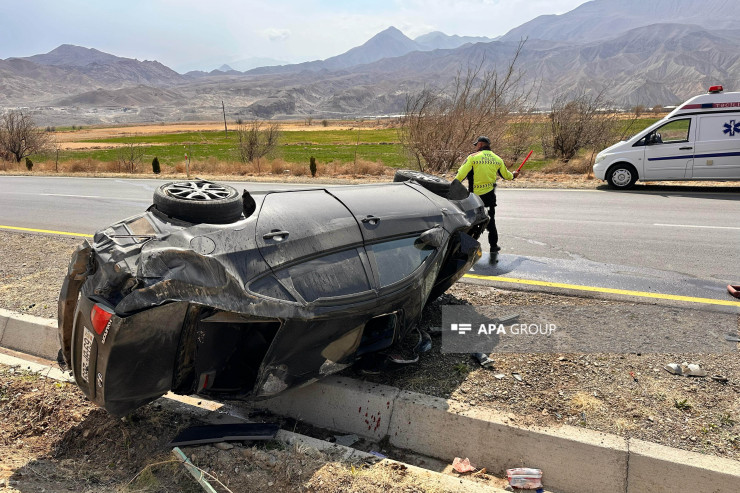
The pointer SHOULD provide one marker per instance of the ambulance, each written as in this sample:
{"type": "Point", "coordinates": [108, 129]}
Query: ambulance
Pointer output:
{"type": "Point", "coordinates": [699, 140]}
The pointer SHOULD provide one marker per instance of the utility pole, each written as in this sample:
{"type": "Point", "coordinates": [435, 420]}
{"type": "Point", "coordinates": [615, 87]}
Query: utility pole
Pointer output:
{"type": "Point", "coordinates": [226, 130]}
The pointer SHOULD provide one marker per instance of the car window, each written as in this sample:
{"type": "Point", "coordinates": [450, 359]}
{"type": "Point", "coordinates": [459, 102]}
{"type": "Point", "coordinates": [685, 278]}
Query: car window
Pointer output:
{"type": "Point", "coordinates": [674, 131]}
{"type": "Point", "coordinates": [338, 274]}
{"type": "Point", "coordinates": [398, 259]}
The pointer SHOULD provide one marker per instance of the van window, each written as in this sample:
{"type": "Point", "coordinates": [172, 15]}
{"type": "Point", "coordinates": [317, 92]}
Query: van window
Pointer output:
{"type": "Point", "coordinates": [672, 132]}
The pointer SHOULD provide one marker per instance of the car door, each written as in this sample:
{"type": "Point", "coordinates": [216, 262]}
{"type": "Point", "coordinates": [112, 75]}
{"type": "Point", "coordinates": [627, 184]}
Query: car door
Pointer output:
{"type": "Point", "coordinates": [717, 147]}
{"type": "Point", "coordinates": [389, 210]}
{"type": "Point", "coordinates": [314, 246]}
{"type": "Point", "coordinates": [669, 150]}
{"type": "Point", "coordinates": [392, 219]}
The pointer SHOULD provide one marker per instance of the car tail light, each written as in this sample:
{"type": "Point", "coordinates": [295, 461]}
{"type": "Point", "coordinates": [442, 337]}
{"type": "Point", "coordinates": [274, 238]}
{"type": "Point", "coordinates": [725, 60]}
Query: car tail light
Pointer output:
{"type": "Point", "coordinates": [716, 89]}
{"type": "Point", "coordinates": [100, 316]}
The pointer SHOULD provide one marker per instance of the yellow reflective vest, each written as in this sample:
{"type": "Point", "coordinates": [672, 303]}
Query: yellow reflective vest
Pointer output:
{"type": "Point", "coordinates": [486, 166]}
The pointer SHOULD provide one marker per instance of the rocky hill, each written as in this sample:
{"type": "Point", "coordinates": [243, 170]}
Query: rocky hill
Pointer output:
{"type": "Point", "coordinates": [657, 52]}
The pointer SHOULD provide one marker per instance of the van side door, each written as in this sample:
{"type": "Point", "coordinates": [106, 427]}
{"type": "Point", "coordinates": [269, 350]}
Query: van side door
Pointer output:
{"type": "Point", "coordinates": [669, 150]}
{"type": "Point", "coordinates": [717, 151]}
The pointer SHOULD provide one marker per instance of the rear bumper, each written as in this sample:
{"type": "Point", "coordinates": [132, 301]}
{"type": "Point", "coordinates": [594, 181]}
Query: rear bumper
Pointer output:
{"type": "Point", "coordinates": [131, 362]}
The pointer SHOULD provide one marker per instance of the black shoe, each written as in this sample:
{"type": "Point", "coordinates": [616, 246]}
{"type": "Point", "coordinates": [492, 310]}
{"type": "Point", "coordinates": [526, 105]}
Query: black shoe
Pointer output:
{"type": "Point", "coordinates": [493, 259]}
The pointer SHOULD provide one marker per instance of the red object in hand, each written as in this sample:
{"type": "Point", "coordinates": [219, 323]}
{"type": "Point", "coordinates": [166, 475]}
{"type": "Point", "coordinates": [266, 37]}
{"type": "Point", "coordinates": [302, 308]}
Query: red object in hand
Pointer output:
{"type": "Point", "coordinates": [525, 160]}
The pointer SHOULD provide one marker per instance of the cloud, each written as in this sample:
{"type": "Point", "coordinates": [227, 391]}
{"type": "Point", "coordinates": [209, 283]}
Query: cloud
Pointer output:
{"type": "Point", "coordinates": [274, 34]}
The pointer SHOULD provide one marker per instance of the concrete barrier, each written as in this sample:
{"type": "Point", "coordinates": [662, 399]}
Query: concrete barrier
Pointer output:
{"type": "Point", "coordinates": [29, 334]}
{"type": "Point", "coordinates": [340, 404]}
{"type": "Point", "coordinates": [655, 468]}
{"type": "Point", "coordinates": [572, 459]}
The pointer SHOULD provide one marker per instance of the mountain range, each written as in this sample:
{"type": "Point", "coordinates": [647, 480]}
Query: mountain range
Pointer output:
{"type": "Point", "coordinates": [649, 53]}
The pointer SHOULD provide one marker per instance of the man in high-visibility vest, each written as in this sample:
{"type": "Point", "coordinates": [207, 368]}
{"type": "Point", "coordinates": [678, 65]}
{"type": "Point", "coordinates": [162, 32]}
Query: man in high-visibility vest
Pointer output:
{"type": "Point", "coordinates": [481, 168]}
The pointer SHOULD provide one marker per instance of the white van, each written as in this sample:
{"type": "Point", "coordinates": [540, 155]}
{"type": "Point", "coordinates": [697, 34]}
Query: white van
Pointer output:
{"type": "Point", "coordinates": [699, 140]}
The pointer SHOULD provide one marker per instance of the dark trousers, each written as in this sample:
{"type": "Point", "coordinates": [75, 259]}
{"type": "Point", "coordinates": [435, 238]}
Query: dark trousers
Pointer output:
{"type": "Point", "coordinates": [489, 200]}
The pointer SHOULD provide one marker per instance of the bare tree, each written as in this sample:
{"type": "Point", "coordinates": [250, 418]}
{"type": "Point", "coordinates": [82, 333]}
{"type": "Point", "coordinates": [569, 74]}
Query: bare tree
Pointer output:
{"type": "Point", "coordinates": [583, 122]}
{"type": "Point", "coordinates": [129, 156]}
{"type": "Point", "coordinates": [20, 137]}
{"type": "Point", "coordinates": [439, 125]}
{"type": "Point", "coordinates": [520, 134]}
{"type": "Point", "coordinates": [256, 140]}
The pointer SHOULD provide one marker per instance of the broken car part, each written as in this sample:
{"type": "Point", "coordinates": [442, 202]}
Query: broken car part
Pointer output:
{"type": "Point", "coordinates": [196, 435]}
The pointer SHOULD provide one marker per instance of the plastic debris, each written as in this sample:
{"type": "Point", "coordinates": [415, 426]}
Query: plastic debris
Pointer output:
{"type": "Point", "coordinates": [346, 440]}
{"type": "Point", "coordinates": [686, 369]}
{"type": "Point", "coordinates": [378, 454]}
{"type": "Point", "coordinates": [719, 378]}
{"type": "Point", "coordinates": [197, 435]}
{"type": "Point", "coordinates": [517, 377]}
{"type": "Point", "coordinates": [732, 338]}
{"type": "Point", "coordinates": [525, 478]}
{"type": "Point", "coordinates": [734, 290]}
{"type": "Point", "coordinates": [484, 360]}
{"type": "Point", "coordinates": [673, 368]}
{"type": "Point", "coordinates": [693, 370]}
{"type": "Point", "coordinates": [499, 375]}
{"type": "Point", "coordinates": [462, 465]}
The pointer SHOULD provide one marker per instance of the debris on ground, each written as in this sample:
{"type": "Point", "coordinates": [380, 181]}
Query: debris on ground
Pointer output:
{"type": "Point", "coordinates": [346, 440]}
{"type": "Point", "coordinates": [221, 434]}
{"type": "Point", "coordinates": [686, 369]}
{"type": "Point", "coordinates": [525, 478]}
{"type": "Point", "coordinates": [484, 360]}
{"type": "Point", "coordinates": [462, 465]}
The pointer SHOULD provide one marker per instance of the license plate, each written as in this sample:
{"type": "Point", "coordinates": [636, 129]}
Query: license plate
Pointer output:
{"type": "Point", "coordinates": [87, 341]}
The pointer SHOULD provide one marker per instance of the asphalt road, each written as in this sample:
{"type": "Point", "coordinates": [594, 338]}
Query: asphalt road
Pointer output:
{"type": "Point", "coordinates": [686, 242]}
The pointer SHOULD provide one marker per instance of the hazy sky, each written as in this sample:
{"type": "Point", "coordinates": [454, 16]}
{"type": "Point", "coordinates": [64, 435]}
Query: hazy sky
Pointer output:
{"type": "Point", "coordinates": [203, 34]}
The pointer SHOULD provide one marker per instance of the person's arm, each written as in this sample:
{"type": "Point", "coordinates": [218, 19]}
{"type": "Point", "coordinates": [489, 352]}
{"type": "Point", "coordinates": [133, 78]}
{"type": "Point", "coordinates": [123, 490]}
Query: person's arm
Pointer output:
{"type": "Point", "coordinates": [464, 169]}
{"type": "Point", "coordinates": [504, 171]}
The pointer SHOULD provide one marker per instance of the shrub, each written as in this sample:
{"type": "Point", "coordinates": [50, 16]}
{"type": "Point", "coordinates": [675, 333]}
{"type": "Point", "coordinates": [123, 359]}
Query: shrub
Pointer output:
{"type": "Point", "coordinates": [29, 164]}
{"type": "Point", "coordinates": [312, 166]}
{"type": "Point", "coordinates": [325, 123]}
{"type": "Point", "coordinates": [155, 165]}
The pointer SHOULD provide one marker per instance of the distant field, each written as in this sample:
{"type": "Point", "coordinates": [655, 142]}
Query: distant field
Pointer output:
{"type": "Point", "coordinates": [295, 146]}
{"type": "Point", "coordinates": [339, 145]}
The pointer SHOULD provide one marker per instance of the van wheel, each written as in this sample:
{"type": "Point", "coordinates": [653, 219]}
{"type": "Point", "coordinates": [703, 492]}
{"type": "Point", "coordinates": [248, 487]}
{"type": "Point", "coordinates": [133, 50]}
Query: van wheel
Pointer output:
{"type": "Point", "coordinates": [621, 176]}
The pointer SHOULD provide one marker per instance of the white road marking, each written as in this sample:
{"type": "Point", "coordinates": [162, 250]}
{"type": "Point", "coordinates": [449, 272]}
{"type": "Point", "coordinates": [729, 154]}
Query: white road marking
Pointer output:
{"type": "Point", "coordinates": [694, 226]}
{"type": "Point", "coordinates": [94, 197]}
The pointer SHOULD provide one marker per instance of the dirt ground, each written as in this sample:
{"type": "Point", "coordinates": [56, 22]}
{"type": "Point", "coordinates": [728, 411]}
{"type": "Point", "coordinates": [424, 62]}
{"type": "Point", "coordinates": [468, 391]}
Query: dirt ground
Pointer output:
{"type": "Point", "coordinates": [52, 439]}
{"type": "Point", "coordinates": [107, 132]}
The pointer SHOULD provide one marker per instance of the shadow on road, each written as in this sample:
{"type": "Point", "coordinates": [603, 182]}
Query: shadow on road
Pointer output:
{"type": "Point", "coordinates": [691, 191]}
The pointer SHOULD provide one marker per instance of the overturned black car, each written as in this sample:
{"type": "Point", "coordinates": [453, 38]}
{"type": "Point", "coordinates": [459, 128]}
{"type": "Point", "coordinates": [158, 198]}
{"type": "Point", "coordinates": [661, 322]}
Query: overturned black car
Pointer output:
{"type": "Point", "coordinates": [244, 296]}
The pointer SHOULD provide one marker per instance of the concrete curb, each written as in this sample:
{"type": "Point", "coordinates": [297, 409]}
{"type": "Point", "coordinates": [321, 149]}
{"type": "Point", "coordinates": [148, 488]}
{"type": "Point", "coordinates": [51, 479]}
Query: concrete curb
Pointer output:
{"type": "Point", "coordinates": [29, 334]}
{"type": "Point", "coordinates": [572, 459]}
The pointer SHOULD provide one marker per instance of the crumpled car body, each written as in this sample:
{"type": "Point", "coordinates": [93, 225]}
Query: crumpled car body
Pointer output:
{"type": "Point", "coordinates": [301, 285]}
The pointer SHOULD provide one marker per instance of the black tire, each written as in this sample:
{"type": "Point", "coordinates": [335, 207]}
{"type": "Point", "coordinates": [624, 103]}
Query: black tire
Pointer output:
{"type": "Point", "coordinates": [621, 176]}
{"type": "Point", "coordinates": [199, 201]}
{"type": "Point", "coordinates": [434, 184]}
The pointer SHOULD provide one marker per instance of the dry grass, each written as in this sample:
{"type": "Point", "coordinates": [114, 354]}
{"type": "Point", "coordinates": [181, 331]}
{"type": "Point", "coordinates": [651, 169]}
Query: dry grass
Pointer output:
{"type": "Point", "coordinates": [583, 402]}
{"type": "Point", "coordinates": [574, 166]}
{"type": "Point", "coordinates": [209, 167]}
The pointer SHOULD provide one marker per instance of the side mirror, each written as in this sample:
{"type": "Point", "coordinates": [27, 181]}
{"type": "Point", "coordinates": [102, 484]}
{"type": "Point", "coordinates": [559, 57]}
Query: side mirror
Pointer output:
{"type": "Point", "coordinates": [654, 139]}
